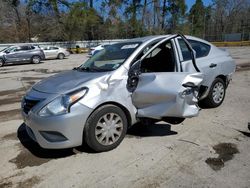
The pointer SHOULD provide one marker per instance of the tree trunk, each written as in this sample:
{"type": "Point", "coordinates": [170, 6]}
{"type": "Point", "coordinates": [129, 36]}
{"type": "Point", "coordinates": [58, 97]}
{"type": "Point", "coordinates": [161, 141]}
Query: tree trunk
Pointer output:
{"type": "Point", "coordinates": [164, 10]}
{"type": "Point", "coordinates": [91, 3]}
{"type": "Point", "coordinates": [144, 11]}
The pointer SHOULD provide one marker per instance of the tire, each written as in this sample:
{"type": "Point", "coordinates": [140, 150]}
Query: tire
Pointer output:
{"type": "Point", "coordinates": [61, 56]}
{"type": "Point", "coordinates": [36, 59]}
{"type": "Point", "coordinates": [216, 94]}
{"type": "Point", "coordinates": [100, 123]}
{"type": "Point", "coordinates": [1, 62]}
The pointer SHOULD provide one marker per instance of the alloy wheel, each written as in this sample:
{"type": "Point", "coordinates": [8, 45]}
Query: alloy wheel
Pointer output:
{"type": "Point", "coordinates": [36, 59]}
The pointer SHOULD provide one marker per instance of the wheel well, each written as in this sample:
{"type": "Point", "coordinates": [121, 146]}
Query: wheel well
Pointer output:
{"type": "Point", "coordinates": [60, 53]}
{"type": "Point", "coordinates": [124, 109]}
{"type": "Point", "coordinates": [224, 78]}
{"type": "Point", "coordinates": [35, 56]}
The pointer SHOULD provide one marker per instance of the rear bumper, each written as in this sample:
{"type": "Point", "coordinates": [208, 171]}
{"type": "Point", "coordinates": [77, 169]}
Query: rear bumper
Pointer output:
{"type": "Point", "coordinates": [228, 79]}
{"type": "Point", "coordinates": [67, 54]}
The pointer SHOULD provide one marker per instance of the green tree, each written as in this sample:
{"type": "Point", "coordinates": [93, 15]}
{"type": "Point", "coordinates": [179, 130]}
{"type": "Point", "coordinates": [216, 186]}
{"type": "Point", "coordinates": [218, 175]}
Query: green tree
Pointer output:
{"type": "Point", "coordinates": [82, 22]}
{"type": "Point", "coordinates": [197, 18]}
{"type": "Point", "coordinates": [177, 10]}
{"type": "Point", "coordinates": [135, 26]}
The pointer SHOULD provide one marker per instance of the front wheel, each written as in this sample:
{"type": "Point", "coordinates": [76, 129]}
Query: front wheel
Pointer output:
{"type": "Point", "coordinates": [105, 128]}
{"type": "Point", "coordinates": [216, 94]}
{"type": "Point", "coordinates": [36, 59]}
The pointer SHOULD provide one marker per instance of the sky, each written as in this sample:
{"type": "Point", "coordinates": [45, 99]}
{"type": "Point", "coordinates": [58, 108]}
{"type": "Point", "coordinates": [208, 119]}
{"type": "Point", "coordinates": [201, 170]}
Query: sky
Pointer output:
{"type": "Point", "coordinates": [188, 2]}
{"type": "Point", "coordinates": [191, 2]}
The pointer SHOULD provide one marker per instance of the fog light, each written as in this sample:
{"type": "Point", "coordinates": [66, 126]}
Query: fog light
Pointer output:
{"type": "Point", "coordinates": [53, 136]}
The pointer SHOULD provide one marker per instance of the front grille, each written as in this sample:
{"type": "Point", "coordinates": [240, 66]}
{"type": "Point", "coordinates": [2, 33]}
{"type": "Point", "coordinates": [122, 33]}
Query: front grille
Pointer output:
{"type": "Point", "coordinates": [28, 104]}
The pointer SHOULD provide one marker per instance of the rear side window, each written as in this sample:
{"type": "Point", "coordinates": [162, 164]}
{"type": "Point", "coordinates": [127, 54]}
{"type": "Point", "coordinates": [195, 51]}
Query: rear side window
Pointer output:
{"type": "Point", "coordinates": [200, 48]}
{"type": "Point", "coordinates": [24, 48]}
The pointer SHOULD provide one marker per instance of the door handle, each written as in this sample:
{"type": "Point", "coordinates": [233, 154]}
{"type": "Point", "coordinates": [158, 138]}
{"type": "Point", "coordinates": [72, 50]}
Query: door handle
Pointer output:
{"type": "Point", "coordinates": [212, 65]}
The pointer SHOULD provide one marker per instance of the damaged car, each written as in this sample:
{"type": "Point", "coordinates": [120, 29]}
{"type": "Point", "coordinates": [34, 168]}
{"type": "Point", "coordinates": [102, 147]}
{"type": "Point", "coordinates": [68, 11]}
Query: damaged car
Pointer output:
{"type": "Point", "coordinates": [155, 78]}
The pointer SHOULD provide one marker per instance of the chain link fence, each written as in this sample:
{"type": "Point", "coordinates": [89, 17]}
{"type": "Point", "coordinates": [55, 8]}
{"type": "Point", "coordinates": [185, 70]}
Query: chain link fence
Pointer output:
{"type": "Point", "coordinates": [232, 37]}
{"type": "Point", "coordinates": [66, 44]}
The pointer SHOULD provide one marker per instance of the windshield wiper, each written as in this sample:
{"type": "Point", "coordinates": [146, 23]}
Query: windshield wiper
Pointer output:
{"type": "Point", "coordinates": [92, 69]}
{"type": "Point", "coordinates": [81, 68]}
{"type": "Point", "coordinates": [97, 69]}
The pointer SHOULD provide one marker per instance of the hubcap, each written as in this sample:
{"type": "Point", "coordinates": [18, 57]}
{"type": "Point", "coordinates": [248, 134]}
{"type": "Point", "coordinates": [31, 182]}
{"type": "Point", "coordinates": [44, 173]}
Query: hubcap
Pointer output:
{"type": "Point", "coordinates": [218, 92]}
{"type": "Point", "coordinates": [36, 59]}
{"type": "Point", "coordinates": [109, 129]}
{"type": "Point", "coordinates": [1, 63]}
{"type": "Point", "coordinates": [60, 56]}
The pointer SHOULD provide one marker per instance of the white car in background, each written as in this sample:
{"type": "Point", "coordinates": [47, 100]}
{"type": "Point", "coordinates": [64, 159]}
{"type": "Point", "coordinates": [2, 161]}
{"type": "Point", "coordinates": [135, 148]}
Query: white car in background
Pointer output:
{"type": "Point", "coordinates": [94, 50]}
{"type": "Point", "coordinates": [54, 52]}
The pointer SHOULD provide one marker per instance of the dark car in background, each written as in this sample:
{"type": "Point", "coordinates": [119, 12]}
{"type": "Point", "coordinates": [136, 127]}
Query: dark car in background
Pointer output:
{"type": "Point", "coordinates": [21, 54]}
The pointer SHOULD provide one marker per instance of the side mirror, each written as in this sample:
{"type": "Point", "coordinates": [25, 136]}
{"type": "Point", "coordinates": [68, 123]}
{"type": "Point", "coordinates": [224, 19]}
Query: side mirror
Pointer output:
{"type": "Point", "coordinates": [133, 76]}
{"type": "Point", "coordinates": [135, 69]}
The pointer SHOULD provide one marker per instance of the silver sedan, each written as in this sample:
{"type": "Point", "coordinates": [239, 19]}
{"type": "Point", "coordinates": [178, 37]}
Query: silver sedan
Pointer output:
{"type": "Point", "coordinates": [149, 79]}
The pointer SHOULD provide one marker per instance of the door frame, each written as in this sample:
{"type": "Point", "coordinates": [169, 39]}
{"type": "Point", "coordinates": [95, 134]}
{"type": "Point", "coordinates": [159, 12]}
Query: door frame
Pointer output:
{"type": "Point", "coordinates": [134, 70]}
{"type": "Point", "coordinates": [192, 51]}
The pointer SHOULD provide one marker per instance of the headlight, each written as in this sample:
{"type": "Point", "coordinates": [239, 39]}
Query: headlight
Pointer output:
{"type": "Point", "coordinates": [62, 104]}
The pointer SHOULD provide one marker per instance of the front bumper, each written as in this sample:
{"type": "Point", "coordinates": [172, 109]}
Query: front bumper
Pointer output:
{"type": "Point", "coordinates": [57, 132]}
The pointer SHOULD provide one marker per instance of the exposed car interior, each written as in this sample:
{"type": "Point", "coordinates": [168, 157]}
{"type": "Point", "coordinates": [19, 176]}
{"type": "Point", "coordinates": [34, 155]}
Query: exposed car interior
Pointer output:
{"type": "Point", "coordinates": [161, 59]}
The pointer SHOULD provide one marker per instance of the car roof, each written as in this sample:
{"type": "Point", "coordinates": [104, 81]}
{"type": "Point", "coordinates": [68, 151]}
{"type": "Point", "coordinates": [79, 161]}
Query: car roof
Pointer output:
{"type": "Point", "coordinates": [147, 38]}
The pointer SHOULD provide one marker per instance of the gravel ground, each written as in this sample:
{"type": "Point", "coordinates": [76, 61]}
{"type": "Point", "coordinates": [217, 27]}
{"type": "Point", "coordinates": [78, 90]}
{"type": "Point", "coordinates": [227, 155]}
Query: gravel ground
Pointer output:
{"type": "Point", "coordinates": [211, 150]}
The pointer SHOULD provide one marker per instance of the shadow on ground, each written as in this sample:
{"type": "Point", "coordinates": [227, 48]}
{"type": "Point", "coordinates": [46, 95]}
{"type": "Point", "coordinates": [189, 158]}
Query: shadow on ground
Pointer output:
{"type": "Point", "coordinates": [202, 105]}
{"type": "Point", "coordinates": [32, 154]}
{"type": "Point", "coordinates": [151, 130]}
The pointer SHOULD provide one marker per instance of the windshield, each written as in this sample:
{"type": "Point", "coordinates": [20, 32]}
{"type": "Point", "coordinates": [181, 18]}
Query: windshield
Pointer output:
{"type": "Point", "coordinates": [9, 49]}
{"type": "Point", "coordinates": [4, 49]}
{"type": "Point", "coordinates": [110, 58]}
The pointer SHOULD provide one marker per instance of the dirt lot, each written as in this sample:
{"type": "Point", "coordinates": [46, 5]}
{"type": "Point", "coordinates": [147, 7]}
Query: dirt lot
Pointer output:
{"type": "Point", "coordinates": [211, 150]}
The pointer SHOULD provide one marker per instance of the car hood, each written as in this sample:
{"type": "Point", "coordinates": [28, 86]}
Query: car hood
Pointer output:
{"type": "Point", "coordinates": [66, 81]}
